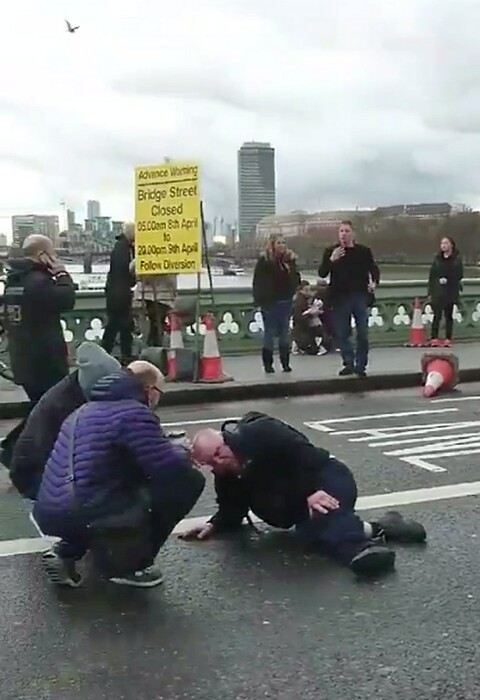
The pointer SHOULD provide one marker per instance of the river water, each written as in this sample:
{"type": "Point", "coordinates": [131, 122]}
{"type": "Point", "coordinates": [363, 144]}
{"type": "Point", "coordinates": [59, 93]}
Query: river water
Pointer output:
{"type": "Point", "coordinates": [96, 280]}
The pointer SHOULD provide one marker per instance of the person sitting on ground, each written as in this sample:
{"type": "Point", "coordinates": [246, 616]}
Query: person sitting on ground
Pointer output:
{"type": "Point", "coordinates": [114, 484]}
{"type": "Point", "coordinates": [264, 465]}
{"type": "Point", "coordinates": [321, 293]}
{"type": "Point", "coordinates": [37, 439]}
{"type": "Point", "coordinates": [307, 324]}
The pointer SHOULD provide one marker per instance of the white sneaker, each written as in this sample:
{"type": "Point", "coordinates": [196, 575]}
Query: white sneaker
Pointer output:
{"type": "Point", "coordinates": [148, 578]}
{"type": "Point", "coordinates": [322, 350]}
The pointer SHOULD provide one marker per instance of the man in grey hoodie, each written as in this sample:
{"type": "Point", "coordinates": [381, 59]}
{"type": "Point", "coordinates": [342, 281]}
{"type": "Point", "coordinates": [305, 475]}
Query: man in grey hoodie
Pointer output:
{"type": "Point", "coordinates": [37, 438]}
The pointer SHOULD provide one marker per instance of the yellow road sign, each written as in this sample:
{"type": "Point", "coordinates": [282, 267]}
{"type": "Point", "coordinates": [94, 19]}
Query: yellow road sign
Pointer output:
{"type": "Point", "coordinates": [168, 226]}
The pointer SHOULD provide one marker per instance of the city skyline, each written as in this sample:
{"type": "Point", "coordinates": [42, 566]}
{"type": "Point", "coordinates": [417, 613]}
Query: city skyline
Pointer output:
{"type": "Point", "coordinates": [324, 82]}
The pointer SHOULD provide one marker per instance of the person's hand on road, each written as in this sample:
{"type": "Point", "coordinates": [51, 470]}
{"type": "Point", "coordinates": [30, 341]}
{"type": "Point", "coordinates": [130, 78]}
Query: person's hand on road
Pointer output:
{"type": "Point", "coordinates": [200, 532]}
{"type": "Point", "coordinates": [321, 502]}
{"type": "Point", "coordinates": [338, 253]}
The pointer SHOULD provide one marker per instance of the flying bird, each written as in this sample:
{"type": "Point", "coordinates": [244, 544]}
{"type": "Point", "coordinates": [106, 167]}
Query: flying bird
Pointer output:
{"type": "Point", "coordinates": [71, 29]}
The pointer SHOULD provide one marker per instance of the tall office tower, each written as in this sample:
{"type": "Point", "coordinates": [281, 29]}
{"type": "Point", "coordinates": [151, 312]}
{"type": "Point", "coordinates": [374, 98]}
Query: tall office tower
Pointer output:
{"type": "Point", "coordinates": [93, 209]}
{"type": "Point", "coordinates": [70, 219]}
{"type": "Point", "coordinates": [23, 226]}
{"type": "Point", "coordinates": [256, 188]}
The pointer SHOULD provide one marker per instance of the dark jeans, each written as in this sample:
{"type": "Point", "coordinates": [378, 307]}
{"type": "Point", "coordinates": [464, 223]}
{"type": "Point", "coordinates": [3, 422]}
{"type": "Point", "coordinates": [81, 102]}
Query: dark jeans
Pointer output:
{"type": "Point", "coordinates": [353, 305]}
{"type": "Point", "coordinates": [167, 509]}
{"type": "Point", "coordinates": [119, 321]}
{"type": "Point", "coordinates": [440, 309]}
{"type": "Point", "coordinates": [276, 322]}
{"type": "Point", "coordinates": [157, 313]}
{"type": "Point", "coordinates": [340, 534]}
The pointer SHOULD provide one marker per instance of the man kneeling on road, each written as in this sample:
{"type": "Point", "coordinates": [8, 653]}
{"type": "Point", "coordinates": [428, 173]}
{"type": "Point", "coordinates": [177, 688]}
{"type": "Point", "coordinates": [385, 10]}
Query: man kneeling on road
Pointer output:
{"type": "Point", "coordinates": [266, 466]}
{"type": "Point", "coordinates": [114, 484]}
{"type": "Point", "coordinates": [37, 438]}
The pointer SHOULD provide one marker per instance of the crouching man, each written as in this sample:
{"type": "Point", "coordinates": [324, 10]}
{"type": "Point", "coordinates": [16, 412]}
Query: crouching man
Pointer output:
{"type": "Point", "coordinates": [266, 466]}
{"type": "Point", "coordinates": [37, 438]}
{"type": "Point", "coordinates": [114, 484]}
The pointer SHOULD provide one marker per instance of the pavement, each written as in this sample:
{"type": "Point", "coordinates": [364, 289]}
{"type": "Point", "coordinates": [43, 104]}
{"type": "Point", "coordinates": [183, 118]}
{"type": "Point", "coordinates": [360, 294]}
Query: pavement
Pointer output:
{"type": "Point", "coordinates": [255, 616]}
{"type": "Point", "coordinates": [390, 368]}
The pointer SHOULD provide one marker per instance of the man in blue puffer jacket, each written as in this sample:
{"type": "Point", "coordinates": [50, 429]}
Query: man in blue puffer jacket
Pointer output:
{"type": "Point", "coordinates": [112, 463]}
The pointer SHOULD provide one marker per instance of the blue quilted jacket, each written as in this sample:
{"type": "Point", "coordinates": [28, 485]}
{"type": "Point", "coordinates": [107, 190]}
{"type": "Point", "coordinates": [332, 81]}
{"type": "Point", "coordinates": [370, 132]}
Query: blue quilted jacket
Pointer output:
{"type": "Point", "coordinates": [119, 449]}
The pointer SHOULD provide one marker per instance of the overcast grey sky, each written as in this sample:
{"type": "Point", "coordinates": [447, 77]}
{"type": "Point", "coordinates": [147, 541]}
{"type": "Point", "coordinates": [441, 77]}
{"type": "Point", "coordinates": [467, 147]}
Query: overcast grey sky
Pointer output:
{"type": "Point", "coordinates": [366, 101]}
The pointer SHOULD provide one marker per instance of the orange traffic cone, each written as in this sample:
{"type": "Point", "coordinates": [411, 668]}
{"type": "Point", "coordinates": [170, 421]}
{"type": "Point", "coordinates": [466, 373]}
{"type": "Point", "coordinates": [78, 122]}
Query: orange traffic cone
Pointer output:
{"type": "Point", "coordinates": [211, 368]}
{"type": "Point", "coordinates": [440, 372]}
{"type": "Point", "coordinates": [176, 343]}
{"type": "Point", "coordinates": [417, 337]}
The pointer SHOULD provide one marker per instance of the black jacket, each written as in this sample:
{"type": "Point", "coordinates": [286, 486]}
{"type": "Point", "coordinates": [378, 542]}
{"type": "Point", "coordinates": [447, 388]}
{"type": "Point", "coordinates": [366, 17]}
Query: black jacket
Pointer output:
{"type": "Point", "coordinates": [38, 437]}
{"type": "Point", "coordinates": [452, 269]}
{"type": "Point", "coordinates": [118, 288]}
{"type": "Point", "coordinates": [351, 274]}
{"type": "Point", "coordinates": [33, 301]}
{"type": "Point", "coordinates": [282, 468]}
{"type": "Point", "coordinates": [272, 282]}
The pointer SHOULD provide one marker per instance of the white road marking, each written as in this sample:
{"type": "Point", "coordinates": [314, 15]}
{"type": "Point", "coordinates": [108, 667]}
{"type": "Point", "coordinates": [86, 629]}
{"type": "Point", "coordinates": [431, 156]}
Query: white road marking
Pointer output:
{"type": "Point", "coordinates": [418, 451]}
{"type": "Point", "coordinates": [422, 464]}
{"type": "Point", "coordinates": [432, 448]}
{"type": "Point", "coordinates": [375, 416]}
{"type": "Point", "coordinates": [33, 545]}
{"type": "Point", "coordinates": [457, 398]}
{"type": "Point", "coordinates": [393, 430]}
{"type": "Point", "coordinates": [411, 441]}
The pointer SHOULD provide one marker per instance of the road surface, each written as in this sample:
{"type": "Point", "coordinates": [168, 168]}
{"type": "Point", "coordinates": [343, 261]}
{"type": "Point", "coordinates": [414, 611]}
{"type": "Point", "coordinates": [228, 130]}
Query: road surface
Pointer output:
{"type": "Point", "coordinates": [256, 617]}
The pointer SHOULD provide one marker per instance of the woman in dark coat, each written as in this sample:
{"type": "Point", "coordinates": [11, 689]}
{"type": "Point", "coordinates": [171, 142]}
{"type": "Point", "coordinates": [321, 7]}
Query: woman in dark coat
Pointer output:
{"type": "Point", "coordinates": [444, 287]}
{"type": "Point", "coordinates": [275, 280]}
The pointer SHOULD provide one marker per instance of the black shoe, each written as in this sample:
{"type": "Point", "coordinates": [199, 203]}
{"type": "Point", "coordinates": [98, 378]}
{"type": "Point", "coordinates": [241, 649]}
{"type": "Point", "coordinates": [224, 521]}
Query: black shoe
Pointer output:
{"type": "Point", "coordinates": [284, 353]}
{"type": "Point", "coordinates": [373, 559]}
{"type": "Point", "coordinates": [61, 572]}
{"type": "Point", "coordinates": [361, 374]}
{"type": "Point", "coordinates": [267, 359]}
{"type": "Point", "coordinates": [346, 372]}
{"type": "Point", "coordinates": [395, 528]}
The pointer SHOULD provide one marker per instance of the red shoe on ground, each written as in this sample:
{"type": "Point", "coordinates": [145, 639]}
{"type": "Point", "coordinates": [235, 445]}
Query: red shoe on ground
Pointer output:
{"type": "Point", "coordinates": [435, 343]}
{"type": "Point", "coordinates": [447, 343]}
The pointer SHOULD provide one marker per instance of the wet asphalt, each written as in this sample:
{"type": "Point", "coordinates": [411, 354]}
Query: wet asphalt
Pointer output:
{"type": "Point", "coordinates": [256, 616]}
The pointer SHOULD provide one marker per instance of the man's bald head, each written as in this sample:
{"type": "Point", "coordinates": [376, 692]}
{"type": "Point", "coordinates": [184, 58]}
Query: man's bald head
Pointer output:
{"type": "Point", "coordinates": [209, 448]}
{"type": "Point", "coordinates": [36, 244]}
{"type": "Point", "coordinates": [151, 379]}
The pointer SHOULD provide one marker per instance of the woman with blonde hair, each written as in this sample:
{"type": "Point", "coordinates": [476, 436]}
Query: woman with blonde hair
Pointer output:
{"type": "Point", "coordinates": [275, 280]}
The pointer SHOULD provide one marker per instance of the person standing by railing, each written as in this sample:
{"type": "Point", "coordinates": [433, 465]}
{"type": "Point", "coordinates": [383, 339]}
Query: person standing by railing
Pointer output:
{"type": "Point", "coordinates": [444, 287]}
{"type": "Point", "coordinates": [118, 292]}
{"type": "Point", "coordinates": [275, 281]}
{"type": "Point", "coordinates": [353, 276]}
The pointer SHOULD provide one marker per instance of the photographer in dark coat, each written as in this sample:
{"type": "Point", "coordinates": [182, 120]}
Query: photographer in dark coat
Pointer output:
{"type": "Point", "coordinates": [38, 290]}
{"type": "Point", "coordinates": [266, 466]}
{"type": "Point", "coordinates": [119, 294]}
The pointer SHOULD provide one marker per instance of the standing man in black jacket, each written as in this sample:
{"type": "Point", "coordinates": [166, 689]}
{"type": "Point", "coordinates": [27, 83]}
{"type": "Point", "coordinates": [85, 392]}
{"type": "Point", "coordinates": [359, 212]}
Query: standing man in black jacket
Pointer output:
{"type": "Point", "coordinates": [353, 277]}
{"type": "Point", "coordinates": [118, 292]}
{"type": "Point", "coordinates": [38, 289]}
